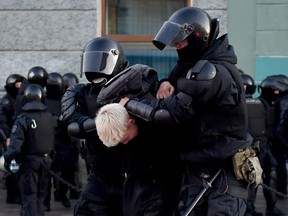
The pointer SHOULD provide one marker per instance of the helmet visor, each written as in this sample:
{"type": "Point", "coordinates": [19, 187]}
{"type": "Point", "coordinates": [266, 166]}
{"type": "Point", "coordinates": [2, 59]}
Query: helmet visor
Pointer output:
{"type": "Point", "coordinates": [99, 62]}
{"type": "Point", "coordinates": [172, 34]}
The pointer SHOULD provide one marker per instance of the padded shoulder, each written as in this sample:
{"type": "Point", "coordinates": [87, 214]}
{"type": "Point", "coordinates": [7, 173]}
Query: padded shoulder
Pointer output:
{"type": "Point", "coordinates": [203, 70]}
{"type": "Point", "coordinates": [134, 81]}
{"type": "Point", "coordinates": [5, 104]}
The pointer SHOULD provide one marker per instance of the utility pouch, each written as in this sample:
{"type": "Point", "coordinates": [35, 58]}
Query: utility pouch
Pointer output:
{"type": "Point", "coordinates": [247, 166]}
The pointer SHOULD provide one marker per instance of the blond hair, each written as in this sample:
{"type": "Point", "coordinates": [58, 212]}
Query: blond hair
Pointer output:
{"type": "Point", "coordinates": [112, 124]}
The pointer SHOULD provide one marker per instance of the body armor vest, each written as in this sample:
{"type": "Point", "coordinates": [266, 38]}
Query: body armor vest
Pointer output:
{"type": "Point", "coordinates": [270, 118]}
{"type": "Point", "coordinates": [230, 121]}
{"type": "Point", "coordinates": [257, 121]}
{"type": "Point", "coordinates": [41, 133]}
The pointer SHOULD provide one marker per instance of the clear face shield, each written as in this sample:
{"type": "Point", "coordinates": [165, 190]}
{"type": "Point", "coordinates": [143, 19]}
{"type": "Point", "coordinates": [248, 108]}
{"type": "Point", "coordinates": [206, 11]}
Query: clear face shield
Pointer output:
{"type": "Point", "coordinates": [172, 34]}
{"type": "Point", "coordinates": [99, 62]}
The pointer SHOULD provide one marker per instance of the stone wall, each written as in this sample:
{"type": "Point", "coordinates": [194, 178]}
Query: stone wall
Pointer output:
{"type": "Point", "coordinates": [53, 33]}
{"type": "Point", "coordinates": [215, 8]}
{"type": "Point", "coordinates": [45, 33]}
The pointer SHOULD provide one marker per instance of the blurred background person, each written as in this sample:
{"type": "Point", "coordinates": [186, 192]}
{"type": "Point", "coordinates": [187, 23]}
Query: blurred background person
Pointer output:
{"type": "Point", "coordinates": [261, 126]}
{"type": "Point", "coordinates": [8, 114]}
{"type": "Point", "coordinates": [270, 90]}
{"type": "Point", "coordinates": [32, 140]}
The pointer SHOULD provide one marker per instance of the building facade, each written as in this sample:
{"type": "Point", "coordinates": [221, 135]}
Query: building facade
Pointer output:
{"type": "Point", "coordinates": [53, 33]}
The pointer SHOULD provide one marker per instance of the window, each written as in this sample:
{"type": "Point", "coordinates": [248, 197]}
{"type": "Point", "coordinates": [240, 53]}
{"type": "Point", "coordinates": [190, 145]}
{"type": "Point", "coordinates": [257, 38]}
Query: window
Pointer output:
{"type": "Point", "coordinates": [136, 20]}
{"type": "Point", "coordinates": [134, 23]}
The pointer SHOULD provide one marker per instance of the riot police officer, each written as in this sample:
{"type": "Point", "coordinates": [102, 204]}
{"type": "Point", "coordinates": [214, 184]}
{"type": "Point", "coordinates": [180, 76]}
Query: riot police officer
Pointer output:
{"type": "Point", "coordinates": [270, 91]}
{"type": "Point", "coordinates": [54, 85]}
{"type": "Point", "coordinates": [275, 90]}
{"type": "Point", "coordinates": [261, 127]}
{"type": "Point", "coordinates": [38, 75]}
{"type": "Point", "coordinates": [8, 109]}
{"type": "Point", "coordinates": [66, 152]}
{"type": "Point", "coordinates": [281, 106]}
{"type": "Point", "coordinates": [13, 84]}
{"type": "Point", "coordinates": [204, 95]}
{"type": "Point", "coordinates": [32, 140]}
{"type": "Point", "coordinates": [70, 79]}
{"type": "Point", "coordinates": [102, 59]}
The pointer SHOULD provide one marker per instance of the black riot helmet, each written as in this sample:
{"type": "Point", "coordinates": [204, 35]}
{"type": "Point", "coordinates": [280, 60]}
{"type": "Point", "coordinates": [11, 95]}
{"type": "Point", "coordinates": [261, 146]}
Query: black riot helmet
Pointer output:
{"type": "Point", "coordinates": [38, 75]}
{"type": "Point", "coordinates": [33, 97]}
{"type": "Point", "coordinates": [281, 83]}
{"type": "Point", "coordinates": [11, 81]}
{"type": "Point", "coordinates": [102, 58]}
{"type": "Point", "coordinates": [70, 79]}
{"type": "Point", "coordinates": [249, 84]}
{"type": "Point", "coordinates": [189, 22]}
{"type": "Point", "coordinates": [273, 87]}
{"type": "Point", "coordinates": [54, 86]}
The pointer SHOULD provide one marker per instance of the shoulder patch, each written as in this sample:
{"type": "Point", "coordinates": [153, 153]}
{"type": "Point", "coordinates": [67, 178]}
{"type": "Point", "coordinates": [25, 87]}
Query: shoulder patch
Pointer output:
{"type": "Point", "coordinates": [14, 128]}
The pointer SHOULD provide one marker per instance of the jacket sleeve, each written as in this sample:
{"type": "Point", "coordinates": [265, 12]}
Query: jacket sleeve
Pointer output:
{"type": "Point", "coordinates": [17, 138]}
{"type": "Point", "coordinates": [73, 112]}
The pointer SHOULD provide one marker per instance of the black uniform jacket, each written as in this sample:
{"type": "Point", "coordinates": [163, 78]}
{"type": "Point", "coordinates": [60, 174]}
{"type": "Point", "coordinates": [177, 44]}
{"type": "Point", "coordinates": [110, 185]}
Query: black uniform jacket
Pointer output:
{"type": "Point", "coordinates": [32, 132]}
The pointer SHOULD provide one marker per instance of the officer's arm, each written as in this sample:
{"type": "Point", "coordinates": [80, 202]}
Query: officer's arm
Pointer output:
{"type": "Point", "coordinates": [70, 101]}
{"type": "Point", "coordinates": [147, 113]}
{"type": "Point", "coordinates": [193, 89]}
{"type": "Point", "coordinates": [80, 130]}
{"type": "Point", "coordinates": [78, 124]}
{"type": "Point", "coordinates": [17, 138]}
{"type": "Point", "coordinates": [162, 111]}
{"type": "Point", "coordinates": [176, 108]}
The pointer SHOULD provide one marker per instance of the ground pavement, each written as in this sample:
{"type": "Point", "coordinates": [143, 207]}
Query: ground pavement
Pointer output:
{"type": "Point", "coordinates": [281, 204]}
{"type": "Point", "coordinates": [57, 209]}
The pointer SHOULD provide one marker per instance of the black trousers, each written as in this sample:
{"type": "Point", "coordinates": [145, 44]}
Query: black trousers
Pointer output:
{"type": "Point", "coordinates": [148, 196]}
{"type": "Point", "coordinates": [101, 197]}
{"type": "Point", "coordinates": [34, 175]}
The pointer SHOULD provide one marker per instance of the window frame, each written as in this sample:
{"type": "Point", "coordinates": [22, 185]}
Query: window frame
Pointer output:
{"type": "Point", "coordinates": [121, 37]}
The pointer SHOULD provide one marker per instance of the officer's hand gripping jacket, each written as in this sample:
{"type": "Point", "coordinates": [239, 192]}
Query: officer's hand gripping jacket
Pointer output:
{"type": "Point", "coordinates": [147, 113]}
{"type": "Point", "coordinates": [202, 71]}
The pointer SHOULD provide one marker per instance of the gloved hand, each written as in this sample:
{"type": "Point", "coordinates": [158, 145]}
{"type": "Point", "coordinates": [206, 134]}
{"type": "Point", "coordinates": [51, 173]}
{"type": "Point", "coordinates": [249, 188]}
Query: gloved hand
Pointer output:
{"type": "Point", "coordinates": [14, 166]}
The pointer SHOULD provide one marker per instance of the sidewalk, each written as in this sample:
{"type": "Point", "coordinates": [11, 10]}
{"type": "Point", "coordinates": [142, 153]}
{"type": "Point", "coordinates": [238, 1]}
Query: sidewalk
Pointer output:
{"type": "Point", "coordinates": [261, 204]}
{"type": "Point", "coordinates": [14, 209]}
{"type": "Point", "coordinates": [57, 209]}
